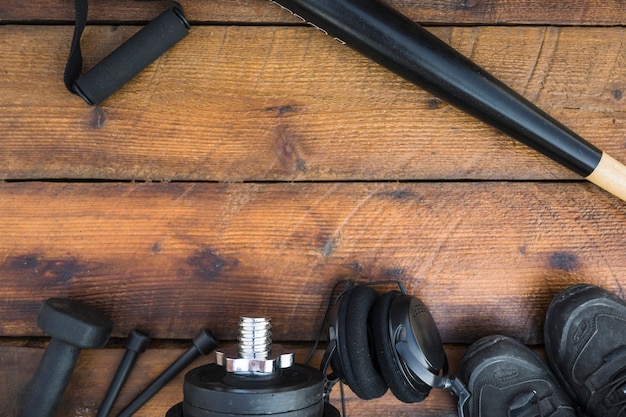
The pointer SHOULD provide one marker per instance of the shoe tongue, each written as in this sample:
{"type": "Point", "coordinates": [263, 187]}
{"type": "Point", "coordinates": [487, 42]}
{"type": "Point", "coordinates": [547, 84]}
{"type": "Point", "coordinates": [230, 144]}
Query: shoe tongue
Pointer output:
{"type": "Point", "coordinates": [617, 354]}
{"type": "Point", "coordinates": [612, 369]}
{"type": "Point", "coordinates": [605, 345]}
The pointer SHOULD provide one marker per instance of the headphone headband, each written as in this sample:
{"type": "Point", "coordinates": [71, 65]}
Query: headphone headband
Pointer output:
{"type": "Point", "coordinates": [350, 286]}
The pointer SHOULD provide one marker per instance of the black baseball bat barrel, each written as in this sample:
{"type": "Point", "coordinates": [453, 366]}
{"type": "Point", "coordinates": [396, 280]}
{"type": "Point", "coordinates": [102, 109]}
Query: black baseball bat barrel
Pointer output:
{"type": "Point", "coordinates": [391, 39]}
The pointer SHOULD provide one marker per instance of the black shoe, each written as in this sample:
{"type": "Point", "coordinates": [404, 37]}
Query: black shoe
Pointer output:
{"type": "Point", "coordinates": [506, 379]}
{"type": "Point", "coordinates": [585, 338]}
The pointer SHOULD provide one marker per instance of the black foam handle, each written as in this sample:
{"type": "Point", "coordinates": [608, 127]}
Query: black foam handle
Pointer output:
{"type": "Point", "coordinates": [404, 47]}
{"type": "Point", "coordinates": [132, 56]}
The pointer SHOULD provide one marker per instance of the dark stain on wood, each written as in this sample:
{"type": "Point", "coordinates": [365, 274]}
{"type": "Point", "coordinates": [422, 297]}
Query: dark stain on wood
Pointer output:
{"type": "Point", "coordinates": [301, 165]}
{"type": "Point", "coordinates": [470, 3]}
{"type": "Point", "coordinates": [156, 248]}
{"type": "Point", "coordinates": [283, 109]}
{"type": "Point", "coordinates": [617, 94]}
{"type": "Point", "coordinates": [285, 142]}
{"type": "Point", "coordinates": [208, 265]}
{"type": "Point", "coordinates": [97, 118]}
{"type": "Point", "coordinates": [356, 266]}
{"type": "Point", "coordinates": [329, 247]}
{"type": "Point", "coordinates": [51, 271]}
{"type": "Point", "coordinates": [399, 194]}
{"type": "Point", "coordinates": [22, 262]}
{"type": "Point", "coordinates": [564, 261]}
{"type": "Point", "coordinates": [395, 273]}
{"type": "Point", "coordinates": [435, 103]}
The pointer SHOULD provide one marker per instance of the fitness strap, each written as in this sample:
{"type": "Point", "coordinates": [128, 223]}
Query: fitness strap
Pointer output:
{"type": "Point", "coordinates": [125, 62]}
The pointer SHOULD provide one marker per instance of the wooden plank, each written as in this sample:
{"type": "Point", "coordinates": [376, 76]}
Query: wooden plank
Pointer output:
{"type": "Point", "coordinates": [173, 258]}
{"type": "Point", "coordinates": [96, 368]}
{"type": "Point", "coordinates": [287, 103]}
{"type": "Point", "coordinates": [552, 12]}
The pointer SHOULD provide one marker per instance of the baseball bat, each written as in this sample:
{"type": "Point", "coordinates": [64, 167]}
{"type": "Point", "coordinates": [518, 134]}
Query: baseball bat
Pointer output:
{"type": "Point", "coordinates": [391, 39]}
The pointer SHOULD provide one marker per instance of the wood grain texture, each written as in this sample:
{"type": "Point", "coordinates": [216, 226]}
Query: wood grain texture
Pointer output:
{"type": "Point", "coordinates": [549, 12]}
{"type": "Point", "coordinates": [259, 162]}
{"type": "Point", "coordinates": [173, 258]}
{"type": "Point", "coordinates": [95, 370]}
{"type": "Point", "coordinates": [287, 103]}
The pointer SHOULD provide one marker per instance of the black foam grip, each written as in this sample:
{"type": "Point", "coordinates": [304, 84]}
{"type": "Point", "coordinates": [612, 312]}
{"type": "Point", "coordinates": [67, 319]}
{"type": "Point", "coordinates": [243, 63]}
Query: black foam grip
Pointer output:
{"type": "Point", "coordinates": [131, 57]}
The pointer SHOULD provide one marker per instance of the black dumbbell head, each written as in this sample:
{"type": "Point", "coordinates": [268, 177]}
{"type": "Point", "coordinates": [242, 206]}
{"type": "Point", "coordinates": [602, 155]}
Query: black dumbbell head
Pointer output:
{"type": "Point", "coordinates": [75, 323]}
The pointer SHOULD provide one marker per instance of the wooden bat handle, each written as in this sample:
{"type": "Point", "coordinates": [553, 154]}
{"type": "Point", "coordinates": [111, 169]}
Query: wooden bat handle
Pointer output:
{"type": "Point", "coordinates": [610, 175]}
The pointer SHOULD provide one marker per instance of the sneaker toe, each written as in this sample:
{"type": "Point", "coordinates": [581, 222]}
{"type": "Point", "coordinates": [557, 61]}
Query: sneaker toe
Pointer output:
{"type": "Point", "coordinates": [505, 378]}
{"type": "Point", "coordinates": [585, 339]}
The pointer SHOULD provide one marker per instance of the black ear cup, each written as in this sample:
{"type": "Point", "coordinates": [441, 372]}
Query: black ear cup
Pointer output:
{"type": "Point", "coordinates": [354, 359]}
{"type": "Point", "coordinates": [390, 369]}
{"type": "Point", "coordinates": [388, 341]}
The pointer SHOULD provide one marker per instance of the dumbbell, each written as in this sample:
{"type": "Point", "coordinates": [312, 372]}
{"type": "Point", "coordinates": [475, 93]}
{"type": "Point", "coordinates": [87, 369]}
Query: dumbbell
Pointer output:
{"type": "Point", "coordinates": [72, 326]}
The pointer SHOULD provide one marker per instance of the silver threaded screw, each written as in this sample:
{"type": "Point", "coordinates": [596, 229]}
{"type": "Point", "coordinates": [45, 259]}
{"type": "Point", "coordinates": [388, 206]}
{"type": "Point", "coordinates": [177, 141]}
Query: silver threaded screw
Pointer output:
{"type": "Point", "coordinates": [255, 338]}
{"type": "Point", "coordinates": [254, 355]}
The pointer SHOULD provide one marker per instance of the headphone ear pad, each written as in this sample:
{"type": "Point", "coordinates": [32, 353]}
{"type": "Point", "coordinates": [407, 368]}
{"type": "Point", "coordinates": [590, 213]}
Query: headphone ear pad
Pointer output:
{"type": "Point", "coordinates": [353, 344]}
{"type": "Point", "coordinates": [389, 366]}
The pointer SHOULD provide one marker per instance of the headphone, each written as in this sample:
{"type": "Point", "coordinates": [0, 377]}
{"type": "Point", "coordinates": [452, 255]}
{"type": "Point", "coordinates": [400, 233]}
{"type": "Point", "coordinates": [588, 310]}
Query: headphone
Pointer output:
{"type": "Point", "coordinates": [389, 341]}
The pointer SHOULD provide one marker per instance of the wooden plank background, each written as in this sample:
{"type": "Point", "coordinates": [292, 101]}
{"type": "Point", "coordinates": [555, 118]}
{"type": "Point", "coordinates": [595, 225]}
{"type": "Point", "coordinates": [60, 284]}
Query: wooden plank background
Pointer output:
{"type": "Point", "coordinates": [258, 162]}
{"type": "Point", "coordinates": [456, 12]}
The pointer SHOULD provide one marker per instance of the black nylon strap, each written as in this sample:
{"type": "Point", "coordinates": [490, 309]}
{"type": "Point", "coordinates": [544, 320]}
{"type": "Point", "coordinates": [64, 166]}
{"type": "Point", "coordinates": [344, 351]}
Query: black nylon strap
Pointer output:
{"type": "Point", "coordinates": [74, 65]}
{"type": "Point", "coordinates": [126, 61]}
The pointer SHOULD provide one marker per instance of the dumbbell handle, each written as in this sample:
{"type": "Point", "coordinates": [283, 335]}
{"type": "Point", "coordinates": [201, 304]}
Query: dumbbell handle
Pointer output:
{"type": "Point", "coordinates": [52, 376]}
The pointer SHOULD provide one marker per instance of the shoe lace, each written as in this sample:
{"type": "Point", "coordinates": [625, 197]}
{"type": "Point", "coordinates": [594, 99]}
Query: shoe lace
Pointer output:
{"type": "Point", "coordinates": [615, 399]}
{"type": "Point", "coordinates": [528, 404]}
{"type": "Point", "coordinates": [607, 384]}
